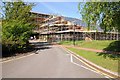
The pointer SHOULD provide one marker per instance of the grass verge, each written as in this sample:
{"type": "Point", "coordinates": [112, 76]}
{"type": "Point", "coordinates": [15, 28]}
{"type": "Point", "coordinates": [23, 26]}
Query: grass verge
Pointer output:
{"type": "Point", "coordinates": [110, 45]}
{"type": "Point", "coordinates": [106, 62]}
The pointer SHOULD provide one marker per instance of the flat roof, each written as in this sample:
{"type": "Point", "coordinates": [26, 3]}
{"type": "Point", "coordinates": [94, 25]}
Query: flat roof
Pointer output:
{"type": "Point", "coordinates": [40, 13]}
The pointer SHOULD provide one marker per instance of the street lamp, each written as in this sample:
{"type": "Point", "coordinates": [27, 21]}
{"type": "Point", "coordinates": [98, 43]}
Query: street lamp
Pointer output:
{"type": "Point", "coordinates": [48, 33]}
{"type": "Point", "coordinates": [74, 36]}
{"type": "Point", "coordinates": [73, 32]}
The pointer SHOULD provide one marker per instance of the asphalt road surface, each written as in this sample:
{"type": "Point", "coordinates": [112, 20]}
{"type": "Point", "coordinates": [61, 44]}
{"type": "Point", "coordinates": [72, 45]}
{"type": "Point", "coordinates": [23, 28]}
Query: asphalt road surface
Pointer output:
{"type": "Point", "coordinates": [50, 62]}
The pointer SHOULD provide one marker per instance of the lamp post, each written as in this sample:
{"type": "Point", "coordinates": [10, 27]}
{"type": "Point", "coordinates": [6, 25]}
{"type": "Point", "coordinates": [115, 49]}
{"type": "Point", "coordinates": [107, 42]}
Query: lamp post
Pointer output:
{"type": "Point", "coordinates": [73, 32]}
{"type": "Point", "coordinates": [48, 33]}
{"type": "Point", "coordinates": [74, 35]}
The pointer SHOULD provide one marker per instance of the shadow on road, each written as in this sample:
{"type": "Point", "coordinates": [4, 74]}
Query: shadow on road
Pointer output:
{"type": "Point", "coordinates": [40, 45]}
{"type": "Point", "coordinates": [32, 48]}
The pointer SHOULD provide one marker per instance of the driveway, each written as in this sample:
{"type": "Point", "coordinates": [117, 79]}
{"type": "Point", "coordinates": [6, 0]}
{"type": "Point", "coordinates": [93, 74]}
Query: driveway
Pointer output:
{"type": "Point", "coordinates": [50, 62]}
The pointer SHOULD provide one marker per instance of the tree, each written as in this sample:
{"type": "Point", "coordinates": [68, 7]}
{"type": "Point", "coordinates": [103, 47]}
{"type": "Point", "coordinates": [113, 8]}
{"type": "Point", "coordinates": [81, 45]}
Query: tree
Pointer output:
{"type": "Point", "coordinates": [106, 14]}
{"type": "Point", "coordinates": [17, 25]}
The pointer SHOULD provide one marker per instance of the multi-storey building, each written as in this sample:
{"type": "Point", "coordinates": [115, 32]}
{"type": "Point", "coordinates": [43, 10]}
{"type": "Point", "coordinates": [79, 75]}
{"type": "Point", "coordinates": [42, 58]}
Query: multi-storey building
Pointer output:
{"type": "Point", "coordinates": [56, 28]}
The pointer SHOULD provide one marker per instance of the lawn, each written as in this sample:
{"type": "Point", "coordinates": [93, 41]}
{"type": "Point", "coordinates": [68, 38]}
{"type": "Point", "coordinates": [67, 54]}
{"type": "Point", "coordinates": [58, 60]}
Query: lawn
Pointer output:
{"type": "Point", "coordinates": [110, 45]}
{"type": "Point", "coordinates": [107, 62]}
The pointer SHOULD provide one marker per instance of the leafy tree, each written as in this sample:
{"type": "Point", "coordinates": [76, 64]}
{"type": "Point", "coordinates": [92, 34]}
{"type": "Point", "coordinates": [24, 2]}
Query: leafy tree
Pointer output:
{"type": "Point", "coordinates": [17, 25]}
{"type": "Point", "coordinates": [106, 14]}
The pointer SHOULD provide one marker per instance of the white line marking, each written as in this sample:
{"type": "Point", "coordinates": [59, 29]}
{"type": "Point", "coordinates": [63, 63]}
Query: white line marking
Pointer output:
{"type": "Point", "coordinates": [86, 68]}
{"type": "Point", "coordinates": [92, 67]}
{"type": "Point", "coordinates": [108, 78]}
{"type": "Point", "coordinates": [70, 52]}
{"type": "Point", "coordinates": [71, 58]}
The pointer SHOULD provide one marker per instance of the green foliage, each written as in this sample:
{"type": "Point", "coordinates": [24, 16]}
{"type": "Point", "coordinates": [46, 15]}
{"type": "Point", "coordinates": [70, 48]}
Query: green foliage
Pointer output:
{"type": "Point", "coordinates": [104, 13]}
{"type": "Point", "coordinates": [17, 25]}
{"type": "Point", "coordinates": [109, 45]}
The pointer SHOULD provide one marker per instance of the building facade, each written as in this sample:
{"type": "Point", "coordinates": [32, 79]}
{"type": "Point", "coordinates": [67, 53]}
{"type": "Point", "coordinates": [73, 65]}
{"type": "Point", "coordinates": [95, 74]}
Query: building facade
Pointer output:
{"type": "Point", "coordinates": [54, 28]}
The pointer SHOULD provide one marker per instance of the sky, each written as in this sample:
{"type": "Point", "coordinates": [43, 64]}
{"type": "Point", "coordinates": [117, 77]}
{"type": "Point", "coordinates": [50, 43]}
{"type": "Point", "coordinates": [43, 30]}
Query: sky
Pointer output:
{"type": "Point", "coordinates": [68, 9]}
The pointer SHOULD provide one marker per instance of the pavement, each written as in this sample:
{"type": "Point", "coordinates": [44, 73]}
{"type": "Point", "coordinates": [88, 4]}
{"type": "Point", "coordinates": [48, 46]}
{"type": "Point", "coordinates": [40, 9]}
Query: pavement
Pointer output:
{"type": "Point", "coordinates": [50, 61]}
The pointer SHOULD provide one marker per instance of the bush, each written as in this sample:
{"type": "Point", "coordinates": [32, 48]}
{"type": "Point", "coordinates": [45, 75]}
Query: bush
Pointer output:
{"type": "Point", "coordinates": [17, 27]}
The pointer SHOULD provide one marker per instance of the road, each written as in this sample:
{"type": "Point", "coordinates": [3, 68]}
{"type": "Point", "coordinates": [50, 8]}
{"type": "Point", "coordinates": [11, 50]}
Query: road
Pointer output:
{"type": "Point", "coordinates": [50, 62]}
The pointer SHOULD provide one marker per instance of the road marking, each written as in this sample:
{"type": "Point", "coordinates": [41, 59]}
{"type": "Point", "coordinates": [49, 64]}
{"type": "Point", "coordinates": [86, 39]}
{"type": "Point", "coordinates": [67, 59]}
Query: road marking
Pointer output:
{"type": "Point", "coordinates": [86, 68]}
{"type": "Point", "coordinates": [98, 72]}
{"type": "Point", "coordinates": [86, 63]}
{"type": "Point", "coordinates": [109, 78]}
{"type": "Point", "coordinates": [92, 67]}
{"type": "Point", "coordinates": [17, 58]}
{"type": "Point", "coordinates": [71, 59]}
